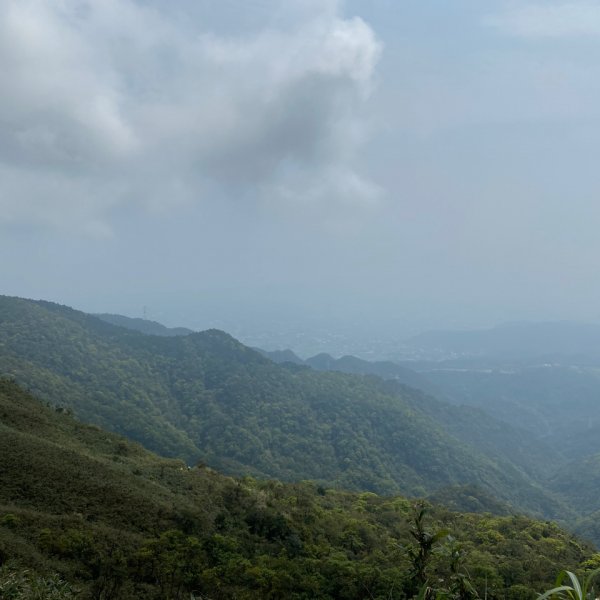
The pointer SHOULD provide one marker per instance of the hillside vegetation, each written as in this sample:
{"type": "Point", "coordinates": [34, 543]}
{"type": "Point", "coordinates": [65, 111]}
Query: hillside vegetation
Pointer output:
{"type": "Point", "coordinates": [87, 514]}
{"type": "Point", "coordinates": [207, 397]}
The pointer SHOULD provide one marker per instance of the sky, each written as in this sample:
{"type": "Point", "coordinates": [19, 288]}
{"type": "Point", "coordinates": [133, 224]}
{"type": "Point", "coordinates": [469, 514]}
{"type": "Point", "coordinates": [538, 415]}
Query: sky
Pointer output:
{"type": "Point", "coordinates": [260, 165]}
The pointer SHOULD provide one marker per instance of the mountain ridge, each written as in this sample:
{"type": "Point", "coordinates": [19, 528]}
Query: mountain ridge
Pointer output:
{"type": "Point", "coordinates": [208, 397]}
{"type": "Point", "coordinates": [143, 325]}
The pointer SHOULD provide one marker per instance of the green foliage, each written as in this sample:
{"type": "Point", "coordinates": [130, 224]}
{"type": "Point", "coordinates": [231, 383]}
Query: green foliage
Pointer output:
{"type": "Point", "coordinates": [456, 583]}
{"type": "Point", "coordinates": [172, 562]}
{"type": "Point", "coordinates": [119, 523]}
{"type": "Point", "coordinates": [460, 585]}
{"type": "Point", "coordinates": [207, 397]}
{"type": "Point", "coordinates": [23, 585]}
{"type": "Point", "coordinates": [420, 556]}
{"type": "Point", "coordinates": [576, 590]}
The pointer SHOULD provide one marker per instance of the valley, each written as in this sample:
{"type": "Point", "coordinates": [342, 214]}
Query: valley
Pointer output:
{"type": "Point", "coordinates": [257, 451]}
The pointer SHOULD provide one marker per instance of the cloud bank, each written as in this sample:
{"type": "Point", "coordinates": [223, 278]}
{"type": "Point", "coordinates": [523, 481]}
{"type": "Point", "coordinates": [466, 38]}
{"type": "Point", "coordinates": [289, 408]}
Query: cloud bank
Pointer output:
{"type": "Point", "coordinates": [109, 102]}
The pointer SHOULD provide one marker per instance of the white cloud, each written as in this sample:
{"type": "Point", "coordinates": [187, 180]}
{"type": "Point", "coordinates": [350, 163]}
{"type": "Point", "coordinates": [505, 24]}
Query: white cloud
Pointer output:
{"type": "Point", "coordinates": [550, 20]}
{"type": "Point", "coordinates": [107, 95]}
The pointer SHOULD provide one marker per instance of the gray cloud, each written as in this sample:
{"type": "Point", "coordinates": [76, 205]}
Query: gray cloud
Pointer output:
{"type": "Point", "coordinates": [213, 152]}
{"type": "Point", "coordinates": [110, 101]}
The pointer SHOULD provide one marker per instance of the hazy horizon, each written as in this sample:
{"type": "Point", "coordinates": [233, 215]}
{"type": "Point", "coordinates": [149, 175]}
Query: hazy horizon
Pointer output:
{"type": "Point", "coordinates": [372, 170]}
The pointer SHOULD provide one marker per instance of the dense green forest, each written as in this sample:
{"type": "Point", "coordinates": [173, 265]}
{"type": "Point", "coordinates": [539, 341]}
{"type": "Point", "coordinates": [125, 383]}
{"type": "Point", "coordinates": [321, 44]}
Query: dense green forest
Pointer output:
{"type": "Point", "coordinates": [88, 514]}
{"type": "Point", "coordinates": [206, 397]}
{"type": "Point", "coordinates": [549, 400]}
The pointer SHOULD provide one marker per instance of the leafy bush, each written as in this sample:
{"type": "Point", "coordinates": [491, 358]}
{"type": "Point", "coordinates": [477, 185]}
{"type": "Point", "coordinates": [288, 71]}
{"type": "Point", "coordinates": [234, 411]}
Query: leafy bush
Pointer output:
{"type": "Point", "coordinates": [24, 585]}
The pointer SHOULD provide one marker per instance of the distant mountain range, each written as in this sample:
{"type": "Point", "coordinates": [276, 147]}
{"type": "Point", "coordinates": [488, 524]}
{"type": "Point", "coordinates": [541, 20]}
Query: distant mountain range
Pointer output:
{"type": "Point", "coordinates": [495, 439]}
{"type": "Point", "coordinates": [549, 410]}
{"type": "Point", "coordinates": [320, 362]}
{"type": "Point", "coordinates": [207, 397]}
{"type": "Point", "coordinates": [523, 344]}
{"type": "Point", "coordinates": [354, 365]}
{"type": "Point", "coordinates": [341, 422]}
{"type": "Point", "coordinates": [500, 370]}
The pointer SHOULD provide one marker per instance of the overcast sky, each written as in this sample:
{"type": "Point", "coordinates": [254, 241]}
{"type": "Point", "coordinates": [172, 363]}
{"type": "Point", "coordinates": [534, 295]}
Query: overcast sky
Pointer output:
{"type": "Point", "coordinates": [401, 164]}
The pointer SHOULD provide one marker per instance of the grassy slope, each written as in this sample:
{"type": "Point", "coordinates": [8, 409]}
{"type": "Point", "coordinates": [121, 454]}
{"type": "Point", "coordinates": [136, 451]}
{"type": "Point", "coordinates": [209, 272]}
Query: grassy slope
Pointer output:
{"type": "Point", "coordinates": [113, 518]}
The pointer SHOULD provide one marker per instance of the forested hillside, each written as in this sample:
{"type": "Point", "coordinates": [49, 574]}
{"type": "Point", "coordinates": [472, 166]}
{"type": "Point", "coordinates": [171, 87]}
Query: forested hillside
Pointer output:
{"type": "Point", "coordinates": [545, 414]}
{"type": "Point", "coordinates": [508, 433]}
{"type": "Point", "coordinates": [207, 397]}
{"type": "Point", "coordinates": [547, 400]}
{"type": "Point", "coordinates": [516, 431]}
{"type": "Point", "coordinates": [87, 514]}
